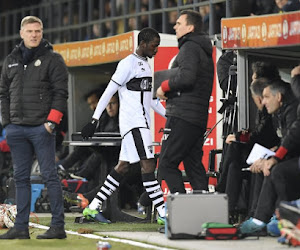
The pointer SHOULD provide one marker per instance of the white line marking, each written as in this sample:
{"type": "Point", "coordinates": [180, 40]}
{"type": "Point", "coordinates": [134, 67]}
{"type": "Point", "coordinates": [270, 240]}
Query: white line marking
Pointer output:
{"type": "Point", "coordinates": [93, 236]}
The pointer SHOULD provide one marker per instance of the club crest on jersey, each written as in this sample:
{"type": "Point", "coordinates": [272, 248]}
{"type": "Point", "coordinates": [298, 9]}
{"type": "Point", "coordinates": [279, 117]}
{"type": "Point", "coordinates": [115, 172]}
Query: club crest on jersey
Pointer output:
{"type": "Point", "coordinates": [146, 84]}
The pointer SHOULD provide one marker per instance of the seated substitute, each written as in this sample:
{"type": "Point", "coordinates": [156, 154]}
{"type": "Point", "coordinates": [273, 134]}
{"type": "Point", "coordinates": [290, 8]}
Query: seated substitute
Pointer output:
{"type": "Point", "coordinates": [81, 154]}
{"type": "Point", "coordinates": [91, 168]}
{"type": "Point", "coordinates": [281, 171]}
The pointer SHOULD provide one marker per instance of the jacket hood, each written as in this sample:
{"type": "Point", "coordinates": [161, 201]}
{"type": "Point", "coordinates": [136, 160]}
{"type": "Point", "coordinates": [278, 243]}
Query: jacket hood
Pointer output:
{"type": "Point", "coordinates": [199, 38]}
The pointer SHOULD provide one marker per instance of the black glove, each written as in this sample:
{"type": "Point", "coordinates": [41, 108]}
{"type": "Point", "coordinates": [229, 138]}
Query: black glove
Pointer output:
{"type": "Point", "coordinates": [89, 129]}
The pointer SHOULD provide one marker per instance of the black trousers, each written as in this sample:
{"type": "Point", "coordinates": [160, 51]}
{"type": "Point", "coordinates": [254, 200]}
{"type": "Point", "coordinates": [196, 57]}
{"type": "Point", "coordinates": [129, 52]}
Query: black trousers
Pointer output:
{"type": "Point", "coordinates": [80, 154]}
{"type": "Point", "coordinates": [256, 187]}
{"type": "Point", "coordinates": [283, 184]}
{"type": "Point", "coordinates": [183, 141]}
{"type": "Point", "coordinates": [235, 156]}
{"type": "Point", "coordinates": [91, 169]}
{"type": "Point", "coordinates": [232, 175]}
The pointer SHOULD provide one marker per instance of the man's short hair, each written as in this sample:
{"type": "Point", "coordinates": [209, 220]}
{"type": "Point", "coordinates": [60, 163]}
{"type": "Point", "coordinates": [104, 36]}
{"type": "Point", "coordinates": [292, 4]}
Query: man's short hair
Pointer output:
{"type": "Point", "coordinates": [193, 18]}
{"type": "Point", "coordinates": [280, 86]}
{"type": "Point", "coordinates": [147, 35]}
{"type": "Point", "coordinates": [98, 92]}
{"type": "Point", "coordinates": [266, 70]}
{"type": "Point", "coordinates": [31, 19]}
{"type": "Point", "coordinates": [258, 85]}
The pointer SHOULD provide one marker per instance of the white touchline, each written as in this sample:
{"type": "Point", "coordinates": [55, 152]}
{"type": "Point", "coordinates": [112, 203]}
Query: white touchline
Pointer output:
{"type": "Point", "coordinates": [93, 236]}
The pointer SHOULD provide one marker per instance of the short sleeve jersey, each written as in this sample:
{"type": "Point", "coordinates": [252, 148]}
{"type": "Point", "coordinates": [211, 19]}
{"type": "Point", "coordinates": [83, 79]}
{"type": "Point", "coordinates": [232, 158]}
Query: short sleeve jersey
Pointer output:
{"type": "Point", "coordinates": [134, 77]}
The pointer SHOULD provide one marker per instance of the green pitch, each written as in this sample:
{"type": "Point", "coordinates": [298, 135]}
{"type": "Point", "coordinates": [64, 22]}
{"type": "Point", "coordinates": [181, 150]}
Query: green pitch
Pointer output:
{"type": "Point", "coordinates": [74, 242]}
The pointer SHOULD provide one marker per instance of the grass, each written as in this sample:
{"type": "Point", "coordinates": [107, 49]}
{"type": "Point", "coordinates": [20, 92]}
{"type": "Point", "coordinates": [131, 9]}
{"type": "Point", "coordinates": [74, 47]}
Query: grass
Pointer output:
{"type": "Point", "coordinates": [96, 227]}
{"type": "Point", "coordinates": [74, 242]}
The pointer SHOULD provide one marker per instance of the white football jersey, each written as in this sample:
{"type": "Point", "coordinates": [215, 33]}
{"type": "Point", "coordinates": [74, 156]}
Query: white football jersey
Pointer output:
{"type": "Point", "coordinates": [134, 76]}
{"type": "Point", "coordinates": [133, 80]}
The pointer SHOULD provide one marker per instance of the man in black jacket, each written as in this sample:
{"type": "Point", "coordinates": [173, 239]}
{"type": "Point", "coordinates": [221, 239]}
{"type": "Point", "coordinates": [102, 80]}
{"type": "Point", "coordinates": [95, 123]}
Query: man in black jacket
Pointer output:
{"type": "Point", "coordinates": [33, 94]}
{"type": "Point", "coordinates": [187, 94]}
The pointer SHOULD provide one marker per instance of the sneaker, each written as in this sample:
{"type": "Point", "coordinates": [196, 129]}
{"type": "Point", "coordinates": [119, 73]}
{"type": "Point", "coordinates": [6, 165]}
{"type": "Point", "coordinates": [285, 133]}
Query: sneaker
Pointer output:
{"type": "Point", "coordinates": [53, 233]}
{"type": "Point", "coordinates": [14, 233]}
{"type": "Point", "coordinates": [282, 240]}
{"type": "Point", "coordinates": [161, 220]}
{"type": "Point", "coordinates": [273, 227]}
{"type": "Point", "coordinates": [76, 199]}
{"type": "Point", "coordinates": [95, 215]}
{"type": "Point", "coordinates": [250, 227]}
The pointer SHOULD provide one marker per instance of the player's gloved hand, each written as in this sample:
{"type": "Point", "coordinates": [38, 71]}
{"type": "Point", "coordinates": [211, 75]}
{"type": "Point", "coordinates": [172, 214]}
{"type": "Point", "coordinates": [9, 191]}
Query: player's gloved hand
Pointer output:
{"type": "Point", "coordinates": [89, 129]}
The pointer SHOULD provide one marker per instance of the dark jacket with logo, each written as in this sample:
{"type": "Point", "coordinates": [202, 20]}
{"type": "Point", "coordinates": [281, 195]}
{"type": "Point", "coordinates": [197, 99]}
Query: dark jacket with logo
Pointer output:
{"type": "Point", "coordinates": [28, 93]}
{"type": "Point", "coordinates": [191, 86]}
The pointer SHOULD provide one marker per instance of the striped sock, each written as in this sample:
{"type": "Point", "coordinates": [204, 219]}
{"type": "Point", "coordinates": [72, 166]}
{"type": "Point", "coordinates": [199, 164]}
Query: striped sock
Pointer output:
{"type": "Point", "coordinates": [111, 183]}
{"type": "Point", "coordinates": [155, 193]}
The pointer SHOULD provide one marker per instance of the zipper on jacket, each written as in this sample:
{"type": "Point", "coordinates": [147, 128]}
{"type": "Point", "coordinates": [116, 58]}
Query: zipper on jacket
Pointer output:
{"type": "Point", "coordinates": [21, 99]}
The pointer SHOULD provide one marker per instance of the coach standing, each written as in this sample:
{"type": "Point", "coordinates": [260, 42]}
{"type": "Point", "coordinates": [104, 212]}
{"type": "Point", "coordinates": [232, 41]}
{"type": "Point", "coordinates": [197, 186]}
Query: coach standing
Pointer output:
{"type": "Point", "coordinates": [33, 94]}
{"type": "Point", "coordinates": [187, 95]}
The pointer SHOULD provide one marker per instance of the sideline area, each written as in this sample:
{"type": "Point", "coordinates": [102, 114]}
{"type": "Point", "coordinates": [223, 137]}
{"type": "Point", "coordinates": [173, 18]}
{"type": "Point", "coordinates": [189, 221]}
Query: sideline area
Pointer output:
{"type": "Point", "coordinates": [104, 238]}
{"type": "Point", "coordinates": [263, 243]}
{"type": "Point", "coordinates": [150, 240]}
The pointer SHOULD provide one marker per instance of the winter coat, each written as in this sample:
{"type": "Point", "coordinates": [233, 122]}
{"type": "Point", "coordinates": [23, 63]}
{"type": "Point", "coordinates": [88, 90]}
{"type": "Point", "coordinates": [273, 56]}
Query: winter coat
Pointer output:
{"type": "Point", "coordinates": [29, 92]}
{"type": "Point", "coordinates": [191, 86]}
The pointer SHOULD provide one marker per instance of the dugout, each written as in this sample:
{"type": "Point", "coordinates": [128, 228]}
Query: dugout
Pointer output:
{"type": "Point", "coordinates": [274, 38]}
